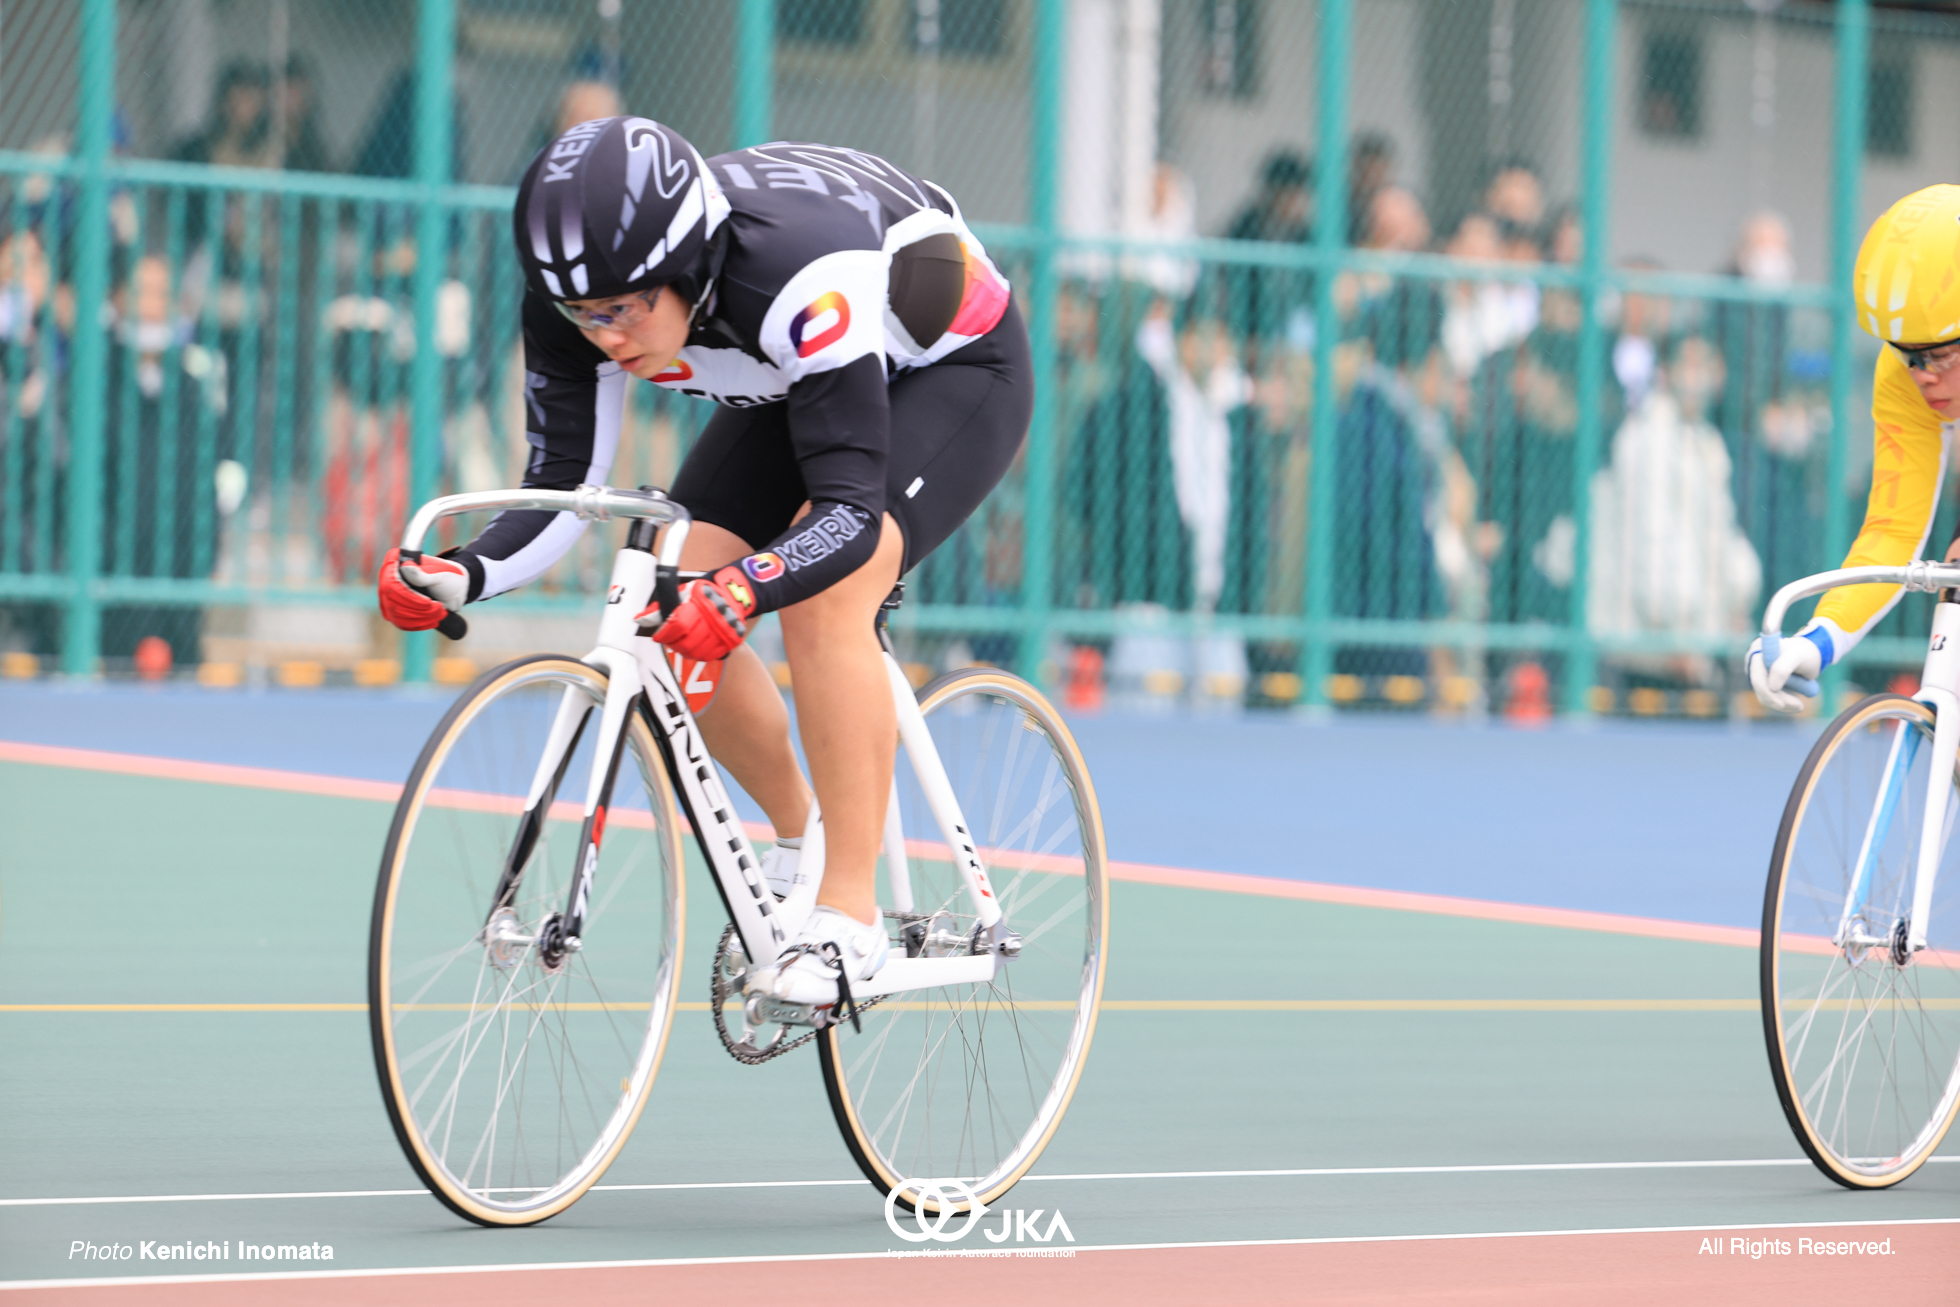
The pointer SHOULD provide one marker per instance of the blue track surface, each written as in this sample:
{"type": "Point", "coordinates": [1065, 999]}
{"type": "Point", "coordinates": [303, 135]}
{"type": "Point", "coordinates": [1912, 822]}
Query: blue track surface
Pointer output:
{"type": "Point", "coordinates": [1653, 819]}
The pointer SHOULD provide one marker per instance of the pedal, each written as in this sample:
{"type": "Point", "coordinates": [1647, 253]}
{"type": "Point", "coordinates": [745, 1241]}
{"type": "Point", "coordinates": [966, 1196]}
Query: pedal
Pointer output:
{"type": "Point", "coordinates": [760, 1010]}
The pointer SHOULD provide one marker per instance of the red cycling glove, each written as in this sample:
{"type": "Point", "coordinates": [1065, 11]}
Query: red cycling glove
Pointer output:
{"type": "Point", "coordinates": [712, 618]}
{"type": "Point", "coordinates": [417, 596]}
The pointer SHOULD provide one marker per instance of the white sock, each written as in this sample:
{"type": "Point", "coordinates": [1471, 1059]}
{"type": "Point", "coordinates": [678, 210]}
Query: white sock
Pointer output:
{"type": "Point", "coordinates": [779, 866]}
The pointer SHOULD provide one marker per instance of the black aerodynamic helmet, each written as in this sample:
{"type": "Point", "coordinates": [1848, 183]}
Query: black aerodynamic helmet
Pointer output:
{"type": "Point", "coordinates": [617, 205]}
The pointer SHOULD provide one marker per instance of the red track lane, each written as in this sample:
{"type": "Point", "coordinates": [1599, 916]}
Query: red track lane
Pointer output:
{"type": "Point", "coordinates": [1634, 1269]}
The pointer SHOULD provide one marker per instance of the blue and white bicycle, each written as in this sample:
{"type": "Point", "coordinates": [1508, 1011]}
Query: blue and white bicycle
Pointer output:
{"type": "Point", "coordinates": [1861, 918]}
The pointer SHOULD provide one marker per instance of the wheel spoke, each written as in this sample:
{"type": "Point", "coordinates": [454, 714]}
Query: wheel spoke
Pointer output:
{"type": "Point", "coordinates": [1865, 1049]}
{"type": "Point", "coordinates": [516, 1079]}
{"type": "Point", "coordinates": [967, 1081]}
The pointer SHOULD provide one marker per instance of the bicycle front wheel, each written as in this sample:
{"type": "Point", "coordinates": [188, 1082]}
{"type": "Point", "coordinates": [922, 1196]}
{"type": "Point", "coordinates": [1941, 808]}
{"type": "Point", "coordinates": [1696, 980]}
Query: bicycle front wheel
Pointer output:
{"type": "Point", "coordinates": [513, 1074]}
{"type": "Point", "coordinates": [970, 1082]}
{"type": "Point", "coordinates": [1864, 1036]}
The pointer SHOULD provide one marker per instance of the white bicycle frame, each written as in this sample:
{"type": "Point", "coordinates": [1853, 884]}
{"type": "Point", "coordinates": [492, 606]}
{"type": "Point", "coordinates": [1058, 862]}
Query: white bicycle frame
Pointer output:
{"type": "Point", "coordinates": [1939, 689]}
{"type": "Point", "coordinates": [634, 664]}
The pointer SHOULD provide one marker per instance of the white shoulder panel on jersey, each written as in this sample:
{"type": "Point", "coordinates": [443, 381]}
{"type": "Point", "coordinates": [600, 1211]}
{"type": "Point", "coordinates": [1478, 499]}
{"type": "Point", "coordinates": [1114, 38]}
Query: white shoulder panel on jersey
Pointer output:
{"type": "Point", "coordinates": [726, 376]}
{"type": "Point", "coordinates": [980, 307]}
{"type": "Point", "coordinates": [829, 314]}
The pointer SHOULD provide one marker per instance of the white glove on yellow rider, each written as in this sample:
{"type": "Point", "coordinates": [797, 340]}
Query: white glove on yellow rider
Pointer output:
{"type": "Point", "coordinates": [1782, 683]}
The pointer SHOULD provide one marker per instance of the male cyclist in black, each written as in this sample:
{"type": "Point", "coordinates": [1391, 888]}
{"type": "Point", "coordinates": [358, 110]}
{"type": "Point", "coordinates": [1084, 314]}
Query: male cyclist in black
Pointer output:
{"type": "Point", "coordinates": [874, 384]}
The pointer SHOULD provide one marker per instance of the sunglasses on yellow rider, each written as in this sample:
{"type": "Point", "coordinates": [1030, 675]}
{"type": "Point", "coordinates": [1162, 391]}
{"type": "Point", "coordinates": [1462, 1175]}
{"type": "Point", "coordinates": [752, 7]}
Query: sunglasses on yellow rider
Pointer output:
{"type": "Point", "coordinates": [1935, 359]}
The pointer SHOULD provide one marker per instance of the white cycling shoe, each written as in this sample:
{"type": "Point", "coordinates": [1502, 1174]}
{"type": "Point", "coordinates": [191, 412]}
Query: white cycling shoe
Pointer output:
{"type": "Point", "coordinates": [831, 947]}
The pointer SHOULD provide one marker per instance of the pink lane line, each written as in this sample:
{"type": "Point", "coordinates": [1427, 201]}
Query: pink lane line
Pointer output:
{"type": "Point", "coordinates": [1437, 904]}
{"type": "Point", "coordinates": [210, 773]}
{"type": "Point", "coordinates": [1224, 882]}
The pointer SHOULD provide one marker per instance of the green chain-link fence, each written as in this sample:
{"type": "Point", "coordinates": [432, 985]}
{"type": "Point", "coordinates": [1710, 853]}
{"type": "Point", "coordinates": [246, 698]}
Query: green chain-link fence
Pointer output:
{"type": "Point", "coordinates": [1390, 352]}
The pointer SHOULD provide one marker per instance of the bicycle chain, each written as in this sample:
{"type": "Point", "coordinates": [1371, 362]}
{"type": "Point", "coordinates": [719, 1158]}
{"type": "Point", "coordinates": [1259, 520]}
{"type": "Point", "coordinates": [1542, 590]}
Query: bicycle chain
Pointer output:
{"type": "Point", "coordinates": [720, 992]}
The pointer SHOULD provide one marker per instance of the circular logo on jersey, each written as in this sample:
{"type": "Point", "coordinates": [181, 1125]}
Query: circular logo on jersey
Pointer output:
{"type": "Point", "coordinates": [826, 320]}
{"type": "Point", "coordinates": [673, 374]}
{"type": "Point", "coordinates": [764, 567]}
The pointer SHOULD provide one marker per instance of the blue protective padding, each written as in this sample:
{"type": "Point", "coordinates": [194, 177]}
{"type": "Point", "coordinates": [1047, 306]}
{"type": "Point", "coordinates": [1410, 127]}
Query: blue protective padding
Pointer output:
{"type": "Point", "coordinates": [1820, 637]}
{"type": "Point", "coordinates": [1773, 645]}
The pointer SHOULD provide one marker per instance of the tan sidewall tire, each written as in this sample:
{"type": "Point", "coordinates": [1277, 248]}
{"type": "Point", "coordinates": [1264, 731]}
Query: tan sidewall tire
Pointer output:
{"type": "Point", "coordinates": [1089, 814]}
{"type": "Point", "coordinates": [1854, 717]}
{"type": "Point", "coordinates": [401, 833]}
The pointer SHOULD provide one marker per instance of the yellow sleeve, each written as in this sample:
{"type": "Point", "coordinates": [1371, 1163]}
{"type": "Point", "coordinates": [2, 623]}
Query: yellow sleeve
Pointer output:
{"type": "Point", "coordinates": [1908, 458]}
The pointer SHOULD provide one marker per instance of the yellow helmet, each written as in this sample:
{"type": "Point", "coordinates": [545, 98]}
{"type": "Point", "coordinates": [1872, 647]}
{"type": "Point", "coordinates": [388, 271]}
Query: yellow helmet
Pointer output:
{"type": "Point", "coordinates": [1907, 280]}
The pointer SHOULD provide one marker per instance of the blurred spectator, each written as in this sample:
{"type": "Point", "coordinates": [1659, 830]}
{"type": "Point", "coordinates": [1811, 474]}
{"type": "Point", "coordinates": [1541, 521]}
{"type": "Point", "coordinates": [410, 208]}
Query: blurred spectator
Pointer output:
{"type": "Point", "coordinates": [1385, 486]}
{"type": "Point", "coordinates": [1396, 221]}
{"type": "Point", "coordinates": [302, 147]}
{"type": "Point", "coordinates": [1391, 468]}
{"type": "Point", "coordinates": [1643, 337]}
{"type": "Point", "coordinates": [1515, 197]}
{"type": "Point", "coordinates": [165, 402]}
{"type": "Point", "coordinates": [1532, 572]}
{"type": "Point", "coordinates": [1484, 316]}
{"type": "Point", "coordinates": [1261, 304]}
{"type": "Point", "coordinates": [1117, 483]}
{"type": "Point", "coordinates": [583, 101]}
{"type": "Point", "coordinates": [36, 313]}
{"type": "Point", "coordinates": [1371, 164]}
{"type": "Point", "coordinates": [1204, 384]}
{"type": "Point", "coordinates": [1763, 254]}
{"type": "Point", "coordinates": [239, 134]}
{"type": "Point", "coordinates": [1768, 428]}
{"type": "Point", "coordinates": [389, 147]}
{"type": "Point", "coordinates": [1173, 216]}
{"type": "Point", "coordinates": [1283, 208]}
{"type": "Point", "coordinates": [1398, 316]}
{"type": "Point", "coordinates": [239, 131]}
{"type": "Point", "coordinates": [1667, 555]}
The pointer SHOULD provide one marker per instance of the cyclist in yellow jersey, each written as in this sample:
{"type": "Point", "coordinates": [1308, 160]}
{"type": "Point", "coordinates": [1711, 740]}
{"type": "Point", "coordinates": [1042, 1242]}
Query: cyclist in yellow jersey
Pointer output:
{"type": "Point", "coordinates": [1907, 284]}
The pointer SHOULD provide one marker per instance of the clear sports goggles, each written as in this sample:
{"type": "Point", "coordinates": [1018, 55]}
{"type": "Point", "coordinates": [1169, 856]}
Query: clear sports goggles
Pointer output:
{"type": "Point", "coordinates": [1935, 359]}
{"type": "Point", "coordinates": [621, 314]}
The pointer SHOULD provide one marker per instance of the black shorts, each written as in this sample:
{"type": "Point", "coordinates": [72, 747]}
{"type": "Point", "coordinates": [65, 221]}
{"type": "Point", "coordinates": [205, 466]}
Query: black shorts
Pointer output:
{"type": "Point", "coordinates": [955, 429]}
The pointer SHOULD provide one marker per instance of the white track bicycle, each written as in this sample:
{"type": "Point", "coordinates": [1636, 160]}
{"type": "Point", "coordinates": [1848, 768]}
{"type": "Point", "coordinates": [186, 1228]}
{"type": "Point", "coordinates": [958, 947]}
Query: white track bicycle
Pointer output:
{"type": "Point", "coordinates": [1861, 918]}
{"type": "Point", "coordinates": [525, 954]}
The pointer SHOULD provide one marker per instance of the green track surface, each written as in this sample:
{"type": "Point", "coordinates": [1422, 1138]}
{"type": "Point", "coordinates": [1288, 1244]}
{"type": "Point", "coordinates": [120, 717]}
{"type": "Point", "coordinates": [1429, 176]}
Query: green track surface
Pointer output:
{"type": "Point", "coordinates": [118, 890]}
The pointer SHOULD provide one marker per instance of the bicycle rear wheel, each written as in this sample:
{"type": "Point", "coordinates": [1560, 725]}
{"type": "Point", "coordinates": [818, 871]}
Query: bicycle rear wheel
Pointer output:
{"type": "Point", "coordinates": [1864, 1038]}
{"type": "Point", "coordinates": [512, 1079]}
{"type": "Point", "coordinates": [970, 1082]}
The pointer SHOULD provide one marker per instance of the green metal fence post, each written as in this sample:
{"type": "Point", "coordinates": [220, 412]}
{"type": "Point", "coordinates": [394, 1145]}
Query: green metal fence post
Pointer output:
{"type": "Point", "coordinates": [755, 71]}
{"type": "Point", "coordinates": [1330, 235]}
{"type": "Point", "coordinates": [435, 94]}
{"type": "Point", "coordinates": [1847, 177]}
{"type": "Point", "coordinates": [1044, 209]}
{"type": "Point", "coordinates": [81, 637]}
{"type": "Point", "coordinates": [1596, 182]}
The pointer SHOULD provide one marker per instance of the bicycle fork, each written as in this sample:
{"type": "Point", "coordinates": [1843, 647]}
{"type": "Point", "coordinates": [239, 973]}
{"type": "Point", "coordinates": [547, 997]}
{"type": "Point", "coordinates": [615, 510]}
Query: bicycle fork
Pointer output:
{"type": "Point", "coordinates": [1937, 691]}
{"type": "Point", "coordinates": [1937, 684]}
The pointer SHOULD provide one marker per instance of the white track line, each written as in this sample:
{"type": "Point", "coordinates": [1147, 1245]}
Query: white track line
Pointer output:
{"type": "Point", "coordinates": [1110, 1175]}
{"type": "Point", "coordinates": [657, 1262]}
